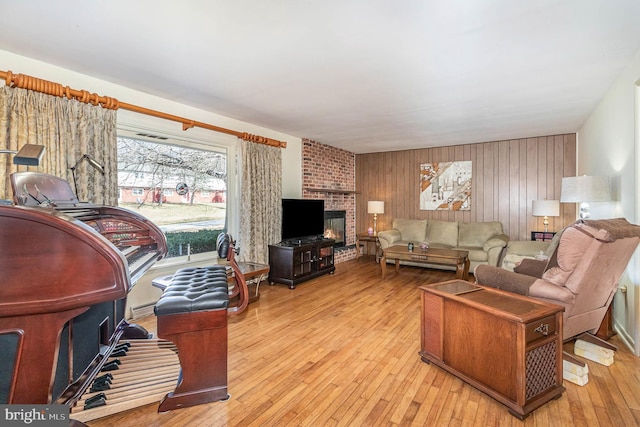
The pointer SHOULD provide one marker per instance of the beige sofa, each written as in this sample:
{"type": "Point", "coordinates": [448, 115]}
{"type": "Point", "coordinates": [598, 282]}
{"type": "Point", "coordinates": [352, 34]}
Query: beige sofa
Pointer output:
{"type": "Point", "coordinates": [484, 240]}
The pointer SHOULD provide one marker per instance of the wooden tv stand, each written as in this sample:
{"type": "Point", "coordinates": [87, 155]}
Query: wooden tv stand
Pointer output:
{"type": "Point", "coordinates": [292, 263]}
{"type": "Point", "coordinates": [505, 345]}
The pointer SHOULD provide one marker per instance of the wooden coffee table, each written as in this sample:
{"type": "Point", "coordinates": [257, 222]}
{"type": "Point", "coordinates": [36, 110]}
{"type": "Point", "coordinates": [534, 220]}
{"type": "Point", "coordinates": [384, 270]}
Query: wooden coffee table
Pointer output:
{"type": "Point", "coordinates": [431, 256]}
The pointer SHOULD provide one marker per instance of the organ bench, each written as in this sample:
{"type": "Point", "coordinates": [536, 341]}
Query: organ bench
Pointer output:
{"type": "Point", "coordinates": [192, 313]}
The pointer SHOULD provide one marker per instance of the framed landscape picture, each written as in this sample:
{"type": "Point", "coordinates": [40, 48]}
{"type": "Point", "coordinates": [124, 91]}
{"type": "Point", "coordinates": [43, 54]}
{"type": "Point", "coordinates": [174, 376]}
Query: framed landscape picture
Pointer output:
{"type": "Point", "coordinates": [445, 186]}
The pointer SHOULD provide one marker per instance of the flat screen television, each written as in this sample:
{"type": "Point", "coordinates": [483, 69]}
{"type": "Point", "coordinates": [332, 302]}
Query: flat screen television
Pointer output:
{"type": "Point", "coordinates": [302, 219]}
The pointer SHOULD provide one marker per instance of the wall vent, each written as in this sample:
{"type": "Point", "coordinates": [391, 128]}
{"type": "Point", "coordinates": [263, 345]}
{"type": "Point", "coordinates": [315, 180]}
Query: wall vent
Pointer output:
{"type": "Point", "coordinates": [147, 135]}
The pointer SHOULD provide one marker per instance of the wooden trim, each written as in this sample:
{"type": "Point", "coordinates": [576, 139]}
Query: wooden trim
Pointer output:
{"type": "Point", "coordinates": [24, 81]}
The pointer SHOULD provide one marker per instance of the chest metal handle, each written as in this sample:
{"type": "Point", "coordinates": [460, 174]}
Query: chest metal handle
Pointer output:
{"type": "Point", "coordinates": [543, 329]}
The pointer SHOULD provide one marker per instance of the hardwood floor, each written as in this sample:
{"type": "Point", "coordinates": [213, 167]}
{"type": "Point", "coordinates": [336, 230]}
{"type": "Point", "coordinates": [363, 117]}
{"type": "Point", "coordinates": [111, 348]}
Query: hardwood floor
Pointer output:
{"type": "Point", "coordinates": [342, 350]}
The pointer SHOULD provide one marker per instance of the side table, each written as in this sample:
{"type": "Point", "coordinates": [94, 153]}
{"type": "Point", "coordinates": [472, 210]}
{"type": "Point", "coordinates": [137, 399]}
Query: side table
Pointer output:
{"type": "Point", "coordinates": [542, 236]}
{"type": "Point", "coordinates": [254, 274]}
{"type": "Point", "coordinates": [367, 238]}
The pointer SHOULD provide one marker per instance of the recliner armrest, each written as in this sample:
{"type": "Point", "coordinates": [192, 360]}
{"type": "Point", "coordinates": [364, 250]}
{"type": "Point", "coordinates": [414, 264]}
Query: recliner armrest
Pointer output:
{"type": "Point", "coordinates": [499, 278]}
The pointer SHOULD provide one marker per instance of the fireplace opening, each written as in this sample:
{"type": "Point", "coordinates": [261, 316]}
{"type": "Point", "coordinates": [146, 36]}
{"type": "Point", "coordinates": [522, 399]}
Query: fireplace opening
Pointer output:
{"type": "Point", "coordinates": [335, 226]}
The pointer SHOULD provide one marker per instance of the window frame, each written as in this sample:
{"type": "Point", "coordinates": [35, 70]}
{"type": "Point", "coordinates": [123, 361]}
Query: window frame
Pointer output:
{"type": "Point", "coordinates": [151, 129]}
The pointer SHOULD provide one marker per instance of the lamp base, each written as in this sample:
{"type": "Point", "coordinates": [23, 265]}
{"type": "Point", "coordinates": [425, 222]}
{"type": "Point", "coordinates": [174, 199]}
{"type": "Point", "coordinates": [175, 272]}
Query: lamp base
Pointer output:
{"type": "Point", "coordinates": [585, 212]}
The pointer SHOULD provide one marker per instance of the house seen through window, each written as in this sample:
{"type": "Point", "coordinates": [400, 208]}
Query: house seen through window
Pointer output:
{"type": "Point", "coordinates": [182, 190]}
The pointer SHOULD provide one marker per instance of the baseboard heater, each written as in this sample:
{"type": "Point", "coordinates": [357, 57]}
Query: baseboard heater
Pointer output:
{"type": "Point", "coordinates": [142, 310]}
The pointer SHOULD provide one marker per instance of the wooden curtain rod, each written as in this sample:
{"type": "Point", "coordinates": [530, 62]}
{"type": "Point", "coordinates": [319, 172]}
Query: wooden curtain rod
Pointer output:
{"type": "Point", "coordinates": [23, 81]}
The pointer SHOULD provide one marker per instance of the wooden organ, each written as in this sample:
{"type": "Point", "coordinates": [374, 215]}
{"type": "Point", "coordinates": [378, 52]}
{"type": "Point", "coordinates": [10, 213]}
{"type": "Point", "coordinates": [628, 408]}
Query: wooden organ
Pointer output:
{"type": "Point", "coordinates": [66, 270]}
{"type": "Point", "coordinates": [188, 367]}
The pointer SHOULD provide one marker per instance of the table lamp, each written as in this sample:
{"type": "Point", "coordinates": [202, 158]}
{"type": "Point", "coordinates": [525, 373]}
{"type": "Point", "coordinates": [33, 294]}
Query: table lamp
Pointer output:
{"type": "Point", "coordinates": [375, 207]}
{"type": "Point", "coordinates": [546, 208]}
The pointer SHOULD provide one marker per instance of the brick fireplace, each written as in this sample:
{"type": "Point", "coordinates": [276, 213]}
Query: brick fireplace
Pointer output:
{"type": "Point", "coordinates": [328, 173]}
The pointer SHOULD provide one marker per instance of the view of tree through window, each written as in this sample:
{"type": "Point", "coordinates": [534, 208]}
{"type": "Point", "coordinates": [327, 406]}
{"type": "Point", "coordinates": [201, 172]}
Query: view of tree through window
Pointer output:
{"type": "Point", "coordinates": [182, 190]}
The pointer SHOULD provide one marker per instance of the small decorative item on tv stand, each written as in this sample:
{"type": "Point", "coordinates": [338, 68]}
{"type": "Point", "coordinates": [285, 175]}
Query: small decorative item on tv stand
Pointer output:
{"type": "Point", "coordinates": [410, 246]}
{"type": "Point", "coordinates": [424, 246]}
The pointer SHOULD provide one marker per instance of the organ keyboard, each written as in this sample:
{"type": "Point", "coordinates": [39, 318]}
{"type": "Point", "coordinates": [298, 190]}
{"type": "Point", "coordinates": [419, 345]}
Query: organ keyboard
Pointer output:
{"type": "Point", "coordinates": [67, 268]}
{"type": "Point", "coordinates": [134, 236]}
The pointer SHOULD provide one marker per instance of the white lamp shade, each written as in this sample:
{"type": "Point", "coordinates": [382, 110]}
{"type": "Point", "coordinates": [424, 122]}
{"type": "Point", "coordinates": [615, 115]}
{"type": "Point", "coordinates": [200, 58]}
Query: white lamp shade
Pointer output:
{"type": "Point", "coordinates": [375, 207]}
{"type": "Point", "coordinates": [546, 208]}
{"type": "Point", "coordinates": [577, 189]}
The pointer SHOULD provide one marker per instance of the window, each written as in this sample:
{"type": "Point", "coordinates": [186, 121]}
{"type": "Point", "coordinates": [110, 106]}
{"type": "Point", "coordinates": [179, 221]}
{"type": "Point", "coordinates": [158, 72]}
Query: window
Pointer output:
{"type": "Point", "coordinates": [167, 184]}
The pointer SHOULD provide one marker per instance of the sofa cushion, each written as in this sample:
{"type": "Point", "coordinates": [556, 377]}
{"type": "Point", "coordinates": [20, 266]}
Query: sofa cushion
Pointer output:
{"type": "Point", "coordinates": [511, 261]}
{"type": "Point", "coordinates": [517, 251]}
{"type": "Point", "coordinates": [477, 233]}
{"type": "Point", "coordinates": [412, 230]}
{"type": "Point", "coordinates": [475, 254]}
{"type": "Point", "coordinates": [443, 233]}
{"type": "Point", "coordinates": [527, 248]}
{"type": "Point", "coordinates": [531, 267]}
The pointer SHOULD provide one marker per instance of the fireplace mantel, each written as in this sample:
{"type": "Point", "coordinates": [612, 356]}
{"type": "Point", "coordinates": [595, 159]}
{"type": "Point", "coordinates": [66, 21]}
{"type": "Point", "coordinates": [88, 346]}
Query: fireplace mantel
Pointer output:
{"type": "Point", "coordinates": [331, 191]}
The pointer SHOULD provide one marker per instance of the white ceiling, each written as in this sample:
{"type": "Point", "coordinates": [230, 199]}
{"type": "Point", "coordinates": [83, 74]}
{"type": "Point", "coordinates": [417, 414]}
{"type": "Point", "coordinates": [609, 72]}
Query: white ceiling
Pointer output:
{"type": "Point", "coordinates": [363, 75]}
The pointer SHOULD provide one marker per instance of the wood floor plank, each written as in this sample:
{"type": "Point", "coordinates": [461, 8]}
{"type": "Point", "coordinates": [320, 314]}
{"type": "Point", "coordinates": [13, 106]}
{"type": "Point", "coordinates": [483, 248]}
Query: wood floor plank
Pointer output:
{"type": "Point", "coordinates": [628, 380]}
{"type": "Point", "coordinates": [617, 410]}
{"type": "Point", "coordinates": [332, 416]}
{"type": "Point", "coordinates": [407, 383]}
{"type": "Point", "coordinates": [464, 409]}
{"type": "Point", "coordinates": [342, 350]}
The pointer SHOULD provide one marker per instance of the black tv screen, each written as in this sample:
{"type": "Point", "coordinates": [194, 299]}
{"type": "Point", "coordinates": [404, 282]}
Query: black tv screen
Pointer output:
{"type": "Point", "coordinates": [302, 218]}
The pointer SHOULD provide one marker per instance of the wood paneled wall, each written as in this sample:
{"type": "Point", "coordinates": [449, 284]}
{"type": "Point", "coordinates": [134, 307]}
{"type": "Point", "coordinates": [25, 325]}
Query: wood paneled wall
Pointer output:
{"type": "Point", "coordinates": [507, 177]}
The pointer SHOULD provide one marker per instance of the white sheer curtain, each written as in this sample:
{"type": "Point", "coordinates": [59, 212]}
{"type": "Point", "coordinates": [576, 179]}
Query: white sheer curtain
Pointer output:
{"type": "Point", "coordinates": [68, 129]}
{"type": "Point", "coordinates": [260, 200]}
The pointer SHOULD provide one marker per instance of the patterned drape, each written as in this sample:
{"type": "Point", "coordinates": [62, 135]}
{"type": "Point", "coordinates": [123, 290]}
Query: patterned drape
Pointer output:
{"type": "Point", "coordinates": [68, 129]}
{"type": "Point", "coordinates": [260, 200]}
